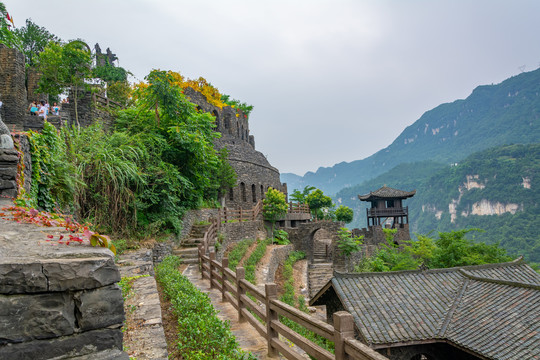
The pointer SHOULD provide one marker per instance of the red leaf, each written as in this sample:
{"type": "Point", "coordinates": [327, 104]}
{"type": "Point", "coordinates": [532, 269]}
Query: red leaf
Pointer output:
{"type": "Point", "coordinates": [50, 236]}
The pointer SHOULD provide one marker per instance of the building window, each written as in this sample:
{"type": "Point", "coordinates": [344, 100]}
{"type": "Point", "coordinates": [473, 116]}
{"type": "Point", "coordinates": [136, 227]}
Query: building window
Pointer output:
{"type": "Point", "coordinates": [253, 193]}
{"type": "Point", "coordinates": [262, 192]}
{"type": "Point", "coordinates": [231, 194]}
{"type": "Point", "coordinates": [243, 192]}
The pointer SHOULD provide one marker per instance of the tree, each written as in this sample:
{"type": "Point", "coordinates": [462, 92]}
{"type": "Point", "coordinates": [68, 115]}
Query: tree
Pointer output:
{"type": "Point", "coordinates": [300, 197]}
{"type": "Point", "coordinates": [274, 206]}
{"type": "Point", "coordinates": [318, 201]}
{"type": "Point", "coordinates": [34, 39]}
{"type": "Point", "coordinates": [7, 36]}
{"type": "Point", "coordinates": [344, 213]}
{"type": "Point", "coordinates": [64, 66]}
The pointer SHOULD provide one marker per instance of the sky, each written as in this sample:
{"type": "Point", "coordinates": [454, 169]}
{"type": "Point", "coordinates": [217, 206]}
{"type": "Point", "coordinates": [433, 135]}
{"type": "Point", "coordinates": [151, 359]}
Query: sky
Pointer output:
{"type": "Point", "coordinates": [330, 80]}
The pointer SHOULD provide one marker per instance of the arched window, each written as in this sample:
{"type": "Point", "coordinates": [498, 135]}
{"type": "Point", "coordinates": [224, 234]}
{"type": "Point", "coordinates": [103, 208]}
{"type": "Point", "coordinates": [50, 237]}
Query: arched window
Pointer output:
{"type": "Point", "coordinates": [253, 193]}
{"type": "Point", "coordinates": [231, 194]}
{"type": "Point", "coordinates": [243, 192]}
{"type": "Point", "coordinates": [262, 192]}
{"type": "Point", "coordinates": [242, 132]}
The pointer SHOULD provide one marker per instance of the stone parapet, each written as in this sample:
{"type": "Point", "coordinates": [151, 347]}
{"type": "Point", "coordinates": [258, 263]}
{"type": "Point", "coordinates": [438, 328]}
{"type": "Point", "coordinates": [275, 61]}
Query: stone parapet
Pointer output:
{"type": "Point", "coordinates": [56, 300]}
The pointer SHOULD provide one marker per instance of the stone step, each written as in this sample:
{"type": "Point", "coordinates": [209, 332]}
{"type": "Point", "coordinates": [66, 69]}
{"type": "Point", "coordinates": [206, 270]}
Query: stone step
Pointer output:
{"type": "Point", "coordinates": [186, 251]}
{"type": "Point", "coordinates": [192, 241]}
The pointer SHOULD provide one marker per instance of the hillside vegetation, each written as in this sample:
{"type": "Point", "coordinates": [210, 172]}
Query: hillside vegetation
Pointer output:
{"type": "Point", "coordinates": [506, 113]}
{"type": "Point", "coordinates": [496, 190]}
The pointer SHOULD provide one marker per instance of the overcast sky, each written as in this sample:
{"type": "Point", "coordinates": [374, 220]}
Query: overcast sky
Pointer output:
{"type": "Point", "coordinates": [330, 81]}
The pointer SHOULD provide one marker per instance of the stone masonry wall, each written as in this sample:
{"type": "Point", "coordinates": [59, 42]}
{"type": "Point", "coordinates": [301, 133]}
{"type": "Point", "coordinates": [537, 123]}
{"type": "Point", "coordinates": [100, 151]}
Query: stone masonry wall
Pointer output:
{"type": "Point", "coordinates": [57, 301]}
{"type": "Point", "coordinates": [254, 173]}
{"type": "Point", "coordinates": [12, 88]}
{"type": "Point", "coordinates": [9, 158]}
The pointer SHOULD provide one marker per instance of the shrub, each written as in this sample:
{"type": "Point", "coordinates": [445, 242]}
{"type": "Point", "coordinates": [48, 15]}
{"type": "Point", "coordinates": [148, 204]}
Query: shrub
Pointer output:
{"type": "Point", "coordinates": [201, 334]}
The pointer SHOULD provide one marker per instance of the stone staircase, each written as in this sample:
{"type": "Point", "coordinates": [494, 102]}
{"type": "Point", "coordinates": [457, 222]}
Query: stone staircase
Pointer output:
{"type": "Point", "coordinates": [188, 251]}
{"type": "Point", "coordinates": [318, 275]}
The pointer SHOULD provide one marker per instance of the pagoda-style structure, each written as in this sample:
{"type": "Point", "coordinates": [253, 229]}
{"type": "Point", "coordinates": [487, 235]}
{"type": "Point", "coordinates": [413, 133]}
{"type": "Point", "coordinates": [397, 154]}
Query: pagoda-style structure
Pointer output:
{"type": "Point", "coordinates": [386, 204]}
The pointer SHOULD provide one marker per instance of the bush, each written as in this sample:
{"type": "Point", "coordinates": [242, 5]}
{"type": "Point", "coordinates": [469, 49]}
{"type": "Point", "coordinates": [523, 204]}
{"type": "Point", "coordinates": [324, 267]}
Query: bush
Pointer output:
{"type": "Point", "coordinates": [202, 335]}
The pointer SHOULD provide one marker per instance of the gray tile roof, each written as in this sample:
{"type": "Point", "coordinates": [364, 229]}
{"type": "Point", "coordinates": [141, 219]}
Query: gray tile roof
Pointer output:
{"type": "Point", "coordinates": [387, 193]}
{"type": "Point", "coordinates": [493, 310]}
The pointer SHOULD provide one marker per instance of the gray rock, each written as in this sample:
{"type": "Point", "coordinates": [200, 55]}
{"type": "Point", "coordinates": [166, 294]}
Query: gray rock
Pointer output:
{"type": "Point", "coordinates": [22, 277]}
{"type": "Point", "coordinates": [100, 308]}
{"type": "Point", "coordinates": [6, 142]}
{"type": "Point", "coordinates": [102, 355]}
{"type": "Point", "coordinates": [41, 316]}
{"type": "Point", "coordinates": [67, 347]}
{"type": "Point", "coordinates": [77, 274]}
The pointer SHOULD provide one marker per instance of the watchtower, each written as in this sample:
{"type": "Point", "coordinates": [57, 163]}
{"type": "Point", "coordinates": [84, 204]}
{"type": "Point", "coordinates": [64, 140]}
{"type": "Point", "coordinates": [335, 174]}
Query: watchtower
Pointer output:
{"type": "Point", "coordinates": [387, 204]}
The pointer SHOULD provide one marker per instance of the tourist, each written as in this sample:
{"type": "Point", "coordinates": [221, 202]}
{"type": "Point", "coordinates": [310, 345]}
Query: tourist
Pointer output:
{"type": "Point", "coordinates": [43, 110]}
{"type": "Point", "coordinates": [55, 109]}
{"type": "Point", "coordinates": [33, 108]}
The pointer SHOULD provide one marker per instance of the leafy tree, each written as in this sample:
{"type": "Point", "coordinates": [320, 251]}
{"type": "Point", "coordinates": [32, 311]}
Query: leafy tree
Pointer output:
{"type": "Point", "coordinates": [64, 66]}
{"type": "Point", "coordinates": [274, 206]}
{"type": "Point", "coordinates": [300, 196]}
{"type": "Point", "coordinates": [347, 243]}
{"type": "Point", "coordinates": [7, 36]}
{"type": "Point", "coordinates": [34, 39]}
{"type": "Point", "coordinates": [344, 213]}
{"type": "Point", "coordinates": [317, 201]}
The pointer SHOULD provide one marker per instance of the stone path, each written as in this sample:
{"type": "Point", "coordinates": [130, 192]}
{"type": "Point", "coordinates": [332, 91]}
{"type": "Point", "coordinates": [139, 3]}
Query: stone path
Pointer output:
{"type": "Point", "coordinates": [246, 335]}
{"type": "Point", "coordinates": [144, 338]}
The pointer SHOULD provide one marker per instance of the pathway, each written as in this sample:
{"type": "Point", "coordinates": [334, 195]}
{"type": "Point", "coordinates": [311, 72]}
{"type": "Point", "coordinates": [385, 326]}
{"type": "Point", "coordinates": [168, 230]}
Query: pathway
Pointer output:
{"type": "Point", "coordinates": [248, 338]}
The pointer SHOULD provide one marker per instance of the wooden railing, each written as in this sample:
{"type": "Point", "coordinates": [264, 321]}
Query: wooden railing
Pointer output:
{"type": "Point", "coordinates": [297, 208]}
{"type": "Point", "coordinates": [265, 318]}
{"type": "Point", "coordinates": [105, 101]}
{"type": "Point", "coordinates": [229, 215]}
{"type": "Point", "coordinates": [388, 212]}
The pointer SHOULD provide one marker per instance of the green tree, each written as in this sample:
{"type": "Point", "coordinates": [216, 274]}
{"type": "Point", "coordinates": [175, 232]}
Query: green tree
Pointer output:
{"type": "Point", "coordinates": [344, 213]}
{"type": "Point", "coordinates": [274, 206]}
{"type": "Point", "coordinates": [300, 196]}
{"type": "Point", "coordinates": [7, 36]}
{"type": "Point", "coordinates": [64, 66]}
{"type": "Point", "coordinates": [34, 39]}
{"type": "Point", "coordinates": [317, 201]}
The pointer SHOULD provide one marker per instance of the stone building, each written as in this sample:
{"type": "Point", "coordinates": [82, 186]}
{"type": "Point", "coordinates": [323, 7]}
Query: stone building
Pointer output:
{"type": "Point", "coordinates": [472, 312]}
{"type": "Point", "coordinates": [254, 173]}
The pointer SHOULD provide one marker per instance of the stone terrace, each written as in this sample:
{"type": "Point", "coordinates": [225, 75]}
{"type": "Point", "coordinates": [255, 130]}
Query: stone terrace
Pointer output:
{"type": "Point", "coordinates": [56, 301]}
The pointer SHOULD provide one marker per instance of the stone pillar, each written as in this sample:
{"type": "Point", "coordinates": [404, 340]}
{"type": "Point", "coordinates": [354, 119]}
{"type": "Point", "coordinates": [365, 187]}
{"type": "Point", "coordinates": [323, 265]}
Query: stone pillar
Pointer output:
{"type": "Point", "coordinates": [12, 88]}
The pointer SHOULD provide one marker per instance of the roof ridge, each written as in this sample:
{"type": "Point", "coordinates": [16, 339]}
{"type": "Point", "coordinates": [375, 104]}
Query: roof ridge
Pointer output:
{"type": "Point", "coordinates": [517, 261]}
{"type": "Point", "coordinates": [498, 281]}
{"type": "Point", "coordinates": [453, 308]}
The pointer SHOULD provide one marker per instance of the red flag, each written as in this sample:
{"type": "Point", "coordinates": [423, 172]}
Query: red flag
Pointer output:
{"type": "Point", "coordinates": [10, 19]}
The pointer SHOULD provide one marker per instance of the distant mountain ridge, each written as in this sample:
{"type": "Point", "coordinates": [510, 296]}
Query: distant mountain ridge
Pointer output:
{"type": "Point", "coordinates": [492, 115]}
{"type": "Point", "coordinates": [497, 190]}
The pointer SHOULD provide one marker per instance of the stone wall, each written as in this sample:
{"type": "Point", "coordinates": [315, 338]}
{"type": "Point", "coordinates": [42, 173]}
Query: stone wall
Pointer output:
{"type": "Point", "coordinates": [12, 88]}
{"type": "Point", "coordinates": [193, 216]}
{"type": "Point", "coordinates": [303, 236]}
{"type": "Point", "coordinates": [234, 232]}
{"type": "Point", "coordinates": [278, 257]}
{"type": "Point", "coordinates": [57, 301]}
{"type": "Point", "coordinates": [374, 235]}
{"type": "Point", "coordinates": [9, 158]}
{"type": "Point", "coordinates": [254, 173]}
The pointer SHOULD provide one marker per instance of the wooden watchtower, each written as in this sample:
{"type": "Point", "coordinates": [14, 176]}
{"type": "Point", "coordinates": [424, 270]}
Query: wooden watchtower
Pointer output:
{"type": "Point", "coordinates": [387, 203]}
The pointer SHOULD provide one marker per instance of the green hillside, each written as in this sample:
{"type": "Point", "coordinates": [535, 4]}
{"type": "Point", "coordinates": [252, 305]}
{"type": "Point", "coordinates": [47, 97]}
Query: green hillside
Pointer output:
{"type": "Point", "coordinates": [497, 190]}
{"type": "Point", "coordinates": [506, 113]}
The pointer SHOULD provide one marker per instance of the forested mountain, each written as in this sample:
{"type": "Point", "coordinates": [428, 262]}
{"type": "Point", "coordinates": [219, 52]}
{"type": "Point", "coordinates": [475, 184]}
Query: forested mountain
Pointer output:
{"type": "Point", "coordinates": [506, 113]}
{"type": "Point", "coordinates": [497, 190]}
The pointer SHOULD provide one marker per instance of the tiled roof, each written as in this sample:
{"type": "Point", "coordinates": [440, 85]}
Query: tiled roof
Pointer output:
{"type": "Point", "coordinates": [387, 193]}
{"type": "Point", "coordinates": [493, 310]}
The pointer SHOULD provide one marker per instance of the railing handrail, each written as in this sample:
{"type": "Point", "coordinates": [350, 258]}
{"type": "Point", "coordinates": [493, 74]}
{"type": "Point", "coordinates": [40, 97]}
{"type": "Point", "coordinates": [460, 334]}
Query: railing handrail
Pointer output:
{"type": "Point", "coordinates": [235, 289]}
{"type": "Point", "coordinates": [106, 101]}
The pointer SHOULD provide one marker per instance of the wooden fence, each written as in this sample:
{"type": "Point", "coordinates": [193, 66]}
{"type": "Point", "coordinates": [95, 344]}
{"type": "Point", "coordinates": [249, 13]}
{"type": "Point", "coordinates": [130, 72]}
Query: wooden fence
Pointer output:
{"type": "Point", "coordinates": [266, 318]}
{"type": "Point", "coordinates": [297, 208]}
{"type": "Point", "coordinates": [105, 101]}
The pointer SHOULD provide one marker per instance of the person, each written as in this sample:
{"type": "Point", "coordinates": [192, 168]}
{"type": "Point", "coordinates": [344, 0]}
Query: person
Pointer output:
{"type": "Point", "coordinates": [56, 109]}
{"type": "Point", "coordinates": [43, 110]}
{"type": "Point", "coordinates": [33, 108]}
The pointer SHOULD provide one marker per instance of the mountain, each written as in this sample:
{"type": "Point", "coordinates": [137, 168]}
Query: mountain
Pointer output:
{"type": "Point", "coordinates": [492, 115]}
{"type": "Point", "coordinates": [497, 190]}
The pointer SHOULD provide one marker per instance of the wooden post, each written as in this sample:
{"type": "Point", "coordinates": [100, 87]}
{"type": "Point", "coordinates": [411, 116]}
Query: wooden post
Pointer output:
{"type": "Point", "coordinates": [201, 267]}
{"type": "Point", "coordinates": [224, 265]}
{"type": "Point", "coordinates": [240, 275]}
{"type": "Point", "coordinates": [212, 257]}
{"type": "Point", "coordinates": [343, 330]}
{"type": "Point", "coordinates": [271, 315]}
